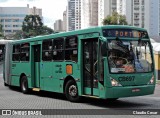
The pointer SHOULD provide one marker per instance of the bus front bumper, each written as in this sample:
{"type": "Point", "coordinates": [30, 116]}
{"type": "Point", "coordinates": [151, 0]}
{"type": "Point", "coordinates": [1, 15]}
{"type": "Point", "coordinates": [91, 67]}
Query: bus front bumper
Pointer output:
{"type": "Point", "coordinates": [129, 91]}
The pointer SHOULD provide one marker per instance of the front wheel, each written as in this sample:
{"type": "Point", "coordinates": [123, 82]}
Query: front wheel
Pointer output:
{"type": "Point", "coordinates": [71, 91]}
{"type": "Point", "coordinates": [24, 85]}
{"type": "Point", "coordinates": [5, 84]}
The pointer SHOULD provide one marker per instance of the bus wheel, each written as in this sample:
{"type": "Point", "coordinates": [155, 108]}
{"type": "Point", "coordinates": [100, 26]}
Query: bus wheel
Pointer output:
{"type": "Point", "coordinates": [24, 85]}
{"type": "Point", "coordinates": [71, 91]}
{"type": "Point", "coordinates": [5, 84]}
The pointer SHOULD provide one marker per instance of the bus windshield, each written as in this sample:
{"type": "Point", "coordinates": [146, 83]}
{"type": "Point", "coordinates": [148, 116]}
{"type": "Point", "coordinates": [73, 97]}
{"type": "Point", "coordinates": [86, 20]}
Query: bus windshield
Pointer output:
{"type": "Point", "coordinates": [129, 56]}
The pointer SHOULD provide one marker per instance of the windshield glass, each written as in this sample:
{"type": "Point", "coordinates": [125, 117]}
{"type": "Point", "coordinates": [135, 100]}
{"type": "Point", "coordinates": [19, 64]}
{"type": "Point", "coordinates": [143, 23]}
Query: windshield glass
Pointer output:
{"type": "Point", "coordinates": [129, 56]}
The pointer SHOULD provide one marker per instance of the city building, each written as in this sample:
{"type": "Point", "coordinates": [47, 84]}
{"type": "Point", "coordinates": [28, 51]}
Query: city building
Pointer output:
{"type": "Point", "coordinates": [124, 7]}
{"type": "Point", "coordinates": [152, 17]}
{"type": "Point", "coordinates": [58, 26]}
{"type": "Point", "coordinates": [78, 14]}
{"type": "Point", "coordinates": [89, 14]}
{"type": "Point", "coordinates": [71, 15]}
{"type": "Point", "coordinates": [105, 8]}
{"type": "Point", "coordinates": [140, 13]}
{"type": "Point", "coordinates": [85, 17]}
{"type": "Point", "coordinates": [11, 18]}
{"type": "Point", "coordinates": [65, 21]}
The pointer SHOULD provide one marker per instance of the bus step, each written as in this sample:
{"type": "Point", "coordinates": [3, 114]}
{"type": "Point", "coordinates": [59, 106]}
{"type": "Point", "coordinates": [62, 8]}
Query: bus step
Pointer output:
{"type": "Point", "coordinates": [36, 89]}
{"type": "Point", "coordinates": [91, 96]}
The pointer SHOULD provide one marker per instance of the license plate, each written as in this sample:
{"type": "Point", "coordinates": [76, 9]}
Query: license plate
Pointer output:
{"type": "Point", "coordinates": [136, 90]}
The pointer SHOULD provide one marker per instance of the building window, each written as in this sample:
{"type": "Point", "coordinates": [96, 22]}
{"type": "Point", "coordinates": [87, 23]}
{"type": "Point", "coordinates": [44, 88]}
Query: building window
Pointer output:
{"type": "Point", "coordinates": [8, 20]}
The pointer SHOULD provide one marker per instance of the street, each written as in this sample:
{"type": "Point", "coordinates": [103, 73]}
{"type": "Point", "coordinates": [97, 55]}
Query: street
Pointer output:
{"type": "Point", "coordinates": [14, 99]}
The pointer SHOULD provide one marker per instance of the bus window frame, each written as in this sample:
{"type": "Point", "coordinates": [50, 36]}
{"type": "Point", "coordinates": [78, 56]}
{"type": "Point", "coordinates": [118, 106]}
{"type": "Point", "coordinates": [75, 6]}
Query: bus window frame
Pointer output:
{"type": "Point", "coordinates": [59, 49]}
{"type": "Point", "coordinates": [25, 52]}
{"type": "Point", "coordinates": [71, 49]}
{"type": "Point", "coordinates": [44, 50]}
{"type": "Point", "coordinates": [16, 52]}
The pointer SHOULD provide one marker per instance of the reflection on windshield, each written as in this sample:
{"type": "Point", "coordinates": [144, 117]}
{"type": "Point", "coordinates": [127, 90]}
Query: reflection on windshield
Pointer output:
{"type": "Point", "coordinates": [129, 56]}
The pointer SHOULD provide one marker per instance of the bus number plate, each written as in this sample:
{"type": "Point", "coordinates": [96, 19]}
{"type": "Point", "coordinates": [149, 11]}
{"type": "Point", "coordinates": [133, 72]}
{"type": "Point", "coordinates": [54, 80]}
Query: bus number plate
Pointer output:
{"type": "Point", "coordinates": [136, 90]}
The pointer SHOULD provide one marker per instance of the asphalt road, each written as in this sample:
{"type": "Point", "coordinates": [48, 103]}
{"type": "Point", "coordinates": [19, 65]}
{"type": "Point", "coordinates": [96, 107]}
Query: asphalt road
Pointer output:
{"type": "Point", "coordinates": [14, 99]}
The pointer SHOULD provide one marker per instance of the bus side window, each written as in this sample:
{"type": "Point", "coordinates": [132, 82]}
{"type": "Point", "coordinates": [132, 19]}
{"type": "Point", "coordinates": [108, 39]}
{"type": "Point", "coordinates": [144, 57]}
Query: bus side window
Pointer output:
{"type": "Point", "coordinates": [16, 53]}
{"type": "Point", "coordinates": [58, 50]}
{"type": "Point", "coordinates": [47, 50]}
{"type": "Point", "coordinates": [25, 48]}
{"type": "Point", "coordinates": [71, 48]}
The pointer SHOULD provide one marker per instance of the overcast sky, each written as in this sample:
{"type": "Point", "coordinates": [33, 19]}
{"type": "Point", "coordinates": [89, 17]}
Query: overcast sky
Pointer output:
{"type": "Point", "coordinates": [51, 9]}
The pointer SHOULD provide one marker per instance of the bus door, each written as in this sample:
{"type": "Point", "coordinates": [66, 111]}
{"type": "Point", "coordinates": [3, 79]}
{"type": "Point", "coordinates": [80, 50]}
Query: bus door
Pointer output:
{"type": "Point", "coordinates": [90, 67]}
{"type": "Point", "coordinates": [36, 65]}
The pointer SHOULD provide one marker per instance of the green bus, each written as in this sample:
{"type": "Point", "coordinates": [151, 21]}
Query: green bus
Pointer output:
{"type": "Point", "coordinates": [106, 62]}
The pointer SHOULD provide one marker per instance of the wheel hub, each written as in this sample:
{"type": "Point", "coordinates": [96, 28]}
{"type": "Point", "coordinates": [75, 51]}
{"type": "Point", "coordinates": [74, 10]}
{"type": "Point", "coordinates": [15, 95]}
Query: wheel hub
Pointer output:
{"type": "Point", "coordinates": [23, 85]}
{"type": "Point", "coordinates": [73, 90]}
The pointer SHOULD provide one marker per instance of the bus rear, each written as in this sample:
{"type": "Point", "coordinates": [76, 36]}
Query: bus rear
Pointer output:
{"type": "Point", "coordinates": [128, 62]}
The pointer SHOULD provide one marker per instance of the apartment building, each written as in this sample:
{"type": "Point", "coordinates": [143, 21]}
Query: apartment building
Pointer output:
{"type": "Point", "coordinates": [105, 8]}
{"type": "Point", "coordinates": [65, 21]}
{"type": "Point", "coordinates": [11, 18]}
{"type": "Point", "coordinates": [140, 13]}
{"type": "Point", "coordinates": [58, 26]}
{"type": "Point", "coordinates": [89, 14]}
{"type": "Point", "coordinates": [71, 15]}
{"type": "Point", "coordinates": [77, 14]}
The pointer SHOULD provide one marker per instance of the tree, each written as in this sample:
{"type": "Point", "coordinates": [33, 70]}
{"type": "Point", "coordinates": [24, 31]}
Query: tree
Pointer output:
{"type": "Point", "coordinates": [115, 19]}
{"type": "Point", "coordinates": [46, 30]}
{"type": "Point", "coordinates": [33, 26]}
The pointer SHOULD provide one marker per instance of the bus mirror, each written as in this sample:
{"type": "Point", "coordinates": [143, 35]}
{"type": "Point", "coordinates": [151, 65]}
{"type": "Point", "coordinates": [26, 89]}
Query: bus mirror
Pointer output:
{"type": "Point", "coordinates": [104, 49]}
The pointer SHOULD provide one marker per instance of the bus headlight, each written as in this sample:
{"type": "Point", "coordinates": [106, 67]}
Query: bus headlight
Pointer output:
{"type": "Point", "coordinates": [151, 80]}
{"type": "Point", "coordinates": [114, 82]}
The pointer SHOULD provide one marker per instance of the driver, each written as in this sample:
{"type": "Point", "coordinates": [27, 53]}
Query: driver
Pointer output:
{"type": "Point", "coordinates": [119, 63]}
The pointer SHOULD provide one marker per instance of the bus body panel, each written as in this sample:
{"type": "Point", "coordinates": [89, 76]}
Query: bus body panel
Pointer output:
{"type": "Point", "coordinates": [17, 70]}
{"type": "Point", "coordinates": [7, 64]}
{"type": "Point", "coordinates": [132, 79]}
{"type": "Point", "coordinates": [129, 91]}
{"type": "Point", "coordinates": [52, 74]}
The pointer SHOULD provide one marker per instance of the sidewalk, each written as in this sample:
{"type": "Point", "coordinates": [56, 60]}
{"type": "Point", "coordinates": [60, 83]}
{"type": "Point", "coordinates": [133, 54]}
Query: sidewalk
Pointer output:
{"type": "Point", "coordinates": [158, 82]}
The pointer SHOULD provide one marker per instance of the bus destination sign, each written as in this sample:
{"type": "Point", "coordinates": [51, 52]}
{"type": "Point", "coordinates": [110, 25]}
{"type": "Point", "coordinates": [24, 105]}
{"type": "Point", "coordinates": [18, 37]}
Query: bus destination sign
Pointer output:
{"type": "Point", "coordinates": [125, 33]}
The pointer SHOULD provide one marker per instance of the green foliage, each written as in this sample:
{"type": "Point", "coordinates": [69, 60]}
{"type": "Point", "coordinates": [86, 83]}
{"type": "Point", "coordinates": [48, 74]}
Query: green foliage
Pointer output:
{"type": "Point", "coordinates": [20, 35]}
{"type": "Point", "coordinates": [46, 30]}
{"type": "Point", "coordinates": [33, 26]}
{"type": "Point", "coordinates": [115, 19]}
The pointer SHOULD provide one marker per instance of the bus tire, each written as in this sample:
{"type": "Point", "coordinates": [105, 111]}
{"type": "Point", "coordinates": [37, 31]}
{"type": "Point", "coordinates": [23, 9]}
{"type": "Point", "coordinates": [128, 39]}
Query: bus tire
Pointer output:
{"type": "Point", "coordinates": [71, 91]}
{"type": "Point", "coordinates": [5, 84]}
{"type": "Point", "coordinates": [24, 85]}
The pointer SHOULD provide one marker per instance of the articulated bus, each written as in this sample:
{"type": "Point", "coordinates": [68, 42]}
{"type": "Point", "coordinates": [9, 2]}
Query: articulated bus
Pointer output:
{"type": "Point", "coordinates": [2, 48]}
{"type": "Point", "coordinates": [107, 62]}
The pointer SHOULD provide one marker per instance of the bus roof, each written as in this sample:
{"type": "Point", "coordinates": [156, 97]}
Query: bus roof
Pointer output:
{"type": "Point", "coordinates": [77, 32]}
{"type": "Point", "coordinates": [3, 41]}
